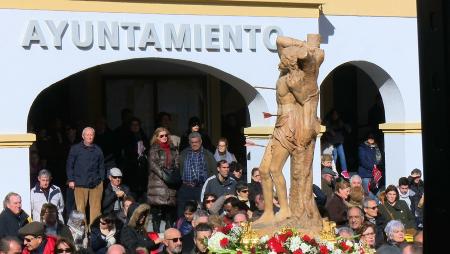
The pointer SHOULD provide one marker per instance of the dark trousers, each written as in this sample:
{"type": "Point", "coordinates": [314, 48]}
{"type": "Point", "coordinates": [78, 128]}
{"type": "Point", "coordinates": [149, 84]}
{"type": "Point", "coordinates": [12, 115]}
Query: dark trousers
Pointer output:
{"type": "Point", "coordinates": [186, 193]}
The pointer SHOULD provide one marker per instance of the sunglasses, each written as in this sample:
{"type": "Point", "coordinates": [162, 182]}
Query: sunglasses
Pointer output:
{"type": "Point", "coordinates": [210, 201]}
{"type": "Point", "coordinates": [373, 207]}
{"type": "Point", "coordinates": [105, 222]}
{"type": "Point", "coordinates": [69, 250]}
{"type": "Point", "coordinates": [163, 136]}
{"type": "Point", "coordinates": [116, 177]}
{"type": "Point", "coordinates": [244, 191]}
{"type": "Point", "coordinates": [176, 239]}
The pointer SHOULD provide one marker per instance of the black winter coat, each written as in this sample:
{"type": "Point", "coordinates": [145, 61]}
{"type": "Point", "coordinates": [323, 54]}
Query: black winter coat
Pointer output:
{"type": "Point", "coordinates": [11, 223]}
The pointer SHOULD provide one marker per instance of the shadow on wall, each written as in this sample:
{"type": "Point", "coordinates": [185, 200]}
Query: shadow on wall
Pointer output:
{"type": "Point", "coordinates": [326, 29]}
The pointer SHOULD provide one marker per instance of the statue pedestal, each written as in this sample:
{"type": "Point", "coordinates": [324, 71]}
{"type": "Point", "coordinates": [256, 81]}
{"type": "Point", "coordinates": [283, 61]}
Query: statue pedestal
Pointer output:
{"type": "Point", "coordinates": [313, 228]}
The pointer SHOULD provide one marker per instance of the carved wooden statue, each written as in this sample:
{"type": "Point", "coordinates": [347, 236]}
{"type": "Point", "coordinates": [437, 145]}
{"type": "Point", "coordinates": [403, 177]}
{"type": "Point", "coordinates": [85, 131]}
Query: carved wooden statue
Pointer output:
{"type": "Point", "coordinates": [294, 135]}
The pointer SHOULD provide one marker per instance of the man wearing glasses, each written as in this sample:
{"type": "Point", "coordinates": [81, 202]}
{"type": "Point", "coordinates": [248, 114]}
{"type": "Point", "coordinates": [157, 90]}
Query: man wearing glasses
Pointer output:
{"type": "Point", "coordinates": [372, 216]}
{"type": "Point", "coordinates": [173, 243]}
{"type": "Point", "coordinates": [34, 239]}
{"type": "Point", "coordinates": [114, 194]}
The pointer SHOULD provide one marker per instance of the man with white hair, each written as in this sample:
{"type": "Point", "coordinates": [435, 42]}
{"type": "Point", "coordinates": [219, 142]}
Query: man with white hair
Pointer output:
{"type": "Point", "coordinates": [116, 249]}
{"type": "Point", "coordinates": [12, 218]}
{"type": "Point", "coordinates": [45, 192]}
{"type": "Point", "coordinates": [86, 172]}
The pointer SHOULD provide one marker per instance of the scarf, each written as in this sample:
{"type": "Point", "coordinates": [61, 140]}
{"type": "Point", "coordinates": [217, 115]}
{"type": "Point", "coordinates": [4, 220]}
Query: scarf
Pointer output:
{"type": "Point", "coordinates": [377, 151]}
{"type": "Point", "coordinates": [109, 238]}
{"type": "Point", "coordinates": [226, 156]}
{"type": "Point", "coordinates": [166, 148]}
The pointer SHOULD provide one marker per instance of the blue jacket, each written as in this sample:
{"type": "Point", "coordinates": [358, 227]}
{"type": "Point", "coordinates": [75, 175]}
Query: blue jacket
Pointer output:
{"type": "Point", "coordinates": [85, 165]}
{"type": "Point", "coordinates": [367, 159]}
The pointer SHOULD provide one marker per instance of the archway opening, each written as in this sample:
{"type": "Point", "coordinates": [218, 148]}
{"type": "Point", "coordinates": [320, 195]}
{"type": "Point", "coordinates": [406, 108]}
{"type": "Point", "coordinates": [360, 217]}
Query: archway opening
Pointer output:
{"type": "Point", "coordinates": [355, 96]}
{"type": "Point", "coordinates": [96, 96]}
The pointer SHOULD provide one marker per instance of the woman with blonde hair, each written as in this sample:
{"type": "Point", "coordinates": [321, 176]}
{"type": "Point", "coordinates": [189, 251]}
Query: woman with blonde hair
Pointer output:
{"type": "Point", "coordinates": [162, 198]}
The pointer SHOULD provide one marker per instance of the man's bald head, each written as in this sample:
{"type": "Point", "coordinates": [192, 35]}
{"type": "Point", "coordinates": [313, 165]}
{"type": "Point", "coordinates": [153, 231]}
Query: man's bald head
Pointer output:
{"type": "Point", "coordinates": [171, 232]}
{"type": "Point", "coordinates": [116, 249]}
{"type": "Point", "coordinates": [172, 241]}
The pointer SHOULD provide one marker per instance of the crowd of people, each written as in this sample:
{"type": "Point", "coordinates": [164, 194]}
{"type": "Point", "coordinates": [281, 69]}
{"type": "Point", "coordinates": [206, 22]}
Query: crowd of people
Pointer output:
{"type": "Point", "coordinates": [116, 200]}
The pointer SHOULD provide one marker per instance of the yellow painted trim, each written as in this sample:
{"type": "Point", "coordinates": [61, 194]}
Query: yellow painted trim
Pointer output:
{"type": "Point", "coordinates": [385, 8]}
{"type": "Point", "coordinates": [271, 8]}
{"type": "Point", "coordinates": [400, 128]}
{"type": "Point", "coordinates": [266, 131]}
{"type": "Point", "coordinates": [17, 140]}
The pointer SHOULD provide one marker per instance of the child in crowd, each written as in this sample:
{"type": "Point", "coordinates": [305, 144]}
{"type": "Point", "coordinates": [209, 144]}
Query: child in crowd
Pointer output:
{"type": "Point", "coordinates": [327, 162]}
{"type": "Point", "coordinates": [184, 224]}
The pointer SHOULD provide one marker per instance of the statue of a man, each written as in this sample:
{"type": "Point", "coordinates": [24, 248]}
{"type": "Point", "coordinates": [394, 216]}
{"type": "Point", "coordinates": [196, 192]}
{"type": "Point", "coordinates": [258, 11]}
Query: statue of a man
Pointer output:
{"type": "Point", "coordinates": [294, 135]}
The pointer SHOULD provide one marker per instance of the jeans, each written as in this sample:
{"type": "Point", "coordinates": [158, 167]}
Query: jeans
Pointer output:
{"type": "Point", "coordinates": [365, 185]}
{"type": "Point", "coordinates": [338, 151]}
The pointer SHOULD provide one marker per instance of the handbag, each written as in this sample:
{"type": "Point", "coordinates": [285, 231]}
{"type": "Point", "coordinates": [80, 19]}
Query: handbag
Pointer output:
{"type": "Point", "coordinates": [171, 177]}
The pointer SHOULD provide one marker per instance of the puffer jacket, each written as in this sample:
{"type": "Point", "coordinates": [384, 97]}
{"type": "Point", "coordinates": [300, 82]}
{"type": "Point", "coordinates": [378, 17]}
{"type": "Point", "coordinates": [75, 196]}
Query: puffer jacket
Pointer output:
{"type": "Point", "coordinates": [134, 235]}
{"type": "Point", "coordinates": [157, 191]}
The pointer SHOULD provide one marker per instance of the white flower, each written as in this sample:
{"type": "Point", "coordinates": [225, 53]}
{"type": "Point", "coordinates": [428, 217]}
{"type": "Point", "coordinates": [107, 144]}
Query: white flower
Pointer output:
{"type": "Point", "coordinates": [294, 243]}
{"type": "Point", "coordinates": [330, 246]}
{"type": "Point", "coordinates": [349, 243]}
{"type": "Point", "coordinates": [272, 252]}
{"type": "Point", "coordinates": [264, 239]}
{"type": "Point", "coordinates": [214, 240]}
{"type": "Point", "coordinates": [305, 247]}
{"type": "Point", "coordinates": [337, 251]}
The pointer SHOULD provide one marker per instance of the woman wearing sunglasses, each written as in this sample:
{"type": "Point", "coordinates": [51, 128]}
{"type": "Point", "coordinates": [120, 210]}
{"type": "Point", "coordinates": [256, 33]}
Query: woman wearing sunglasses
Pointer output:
{"type": "Point", "coordinates": [63, 245]}
{"type": "Point", "coordinates": [161, 197]}
{"type": "Point", "coordinates": [242, 193]}
{"type": "Point", "coordinates": [105, 231]}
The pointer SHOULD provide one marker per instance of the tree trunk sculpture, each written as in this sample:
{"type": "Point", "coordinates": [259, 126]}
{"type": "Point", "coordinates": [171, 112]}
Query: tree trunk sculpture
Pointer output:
{"type": "Point", "coordinates": [294, 135]}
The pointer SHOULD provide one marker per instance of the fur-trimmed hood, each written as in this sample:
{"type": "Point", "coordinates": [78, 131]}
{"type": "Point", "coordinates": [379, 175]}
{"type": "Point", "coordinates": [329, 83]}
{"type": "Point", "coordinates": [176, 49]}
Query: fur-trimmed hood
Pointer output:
{"type": "Point", "coordinates": [136, 211]}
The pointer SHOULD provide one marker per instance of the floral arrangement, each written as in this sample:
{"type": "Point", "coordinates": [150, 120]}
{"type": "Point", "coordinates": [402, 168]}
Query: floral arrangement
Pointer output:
{"type": "Point", "coordinates": [234, 240]}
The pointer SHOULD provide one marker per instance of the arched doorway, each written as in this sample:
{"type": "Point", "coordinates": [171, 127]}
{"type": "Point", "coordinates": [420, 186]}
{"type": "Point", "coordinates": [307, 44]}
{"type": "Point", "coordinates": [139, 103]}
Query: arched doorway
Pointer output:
{"type": "Point", "coordinates": [146, 87]}
{"type": "Point", "coordinates": [355, 94]}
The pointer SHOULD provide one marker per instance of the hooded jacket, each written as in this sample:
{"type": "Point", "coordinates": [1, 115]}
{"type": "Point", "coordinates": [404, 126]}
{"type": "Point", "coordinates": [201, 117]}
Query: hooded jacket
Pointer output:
{"type": "Point", "coordinates": [134, 235]}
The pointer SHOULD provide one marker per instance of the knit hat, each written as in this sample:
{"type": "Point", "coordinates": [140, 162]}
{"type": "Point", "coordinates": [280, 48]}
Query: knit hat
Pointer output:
{"type": "Point", "coordinates": [34, 228]}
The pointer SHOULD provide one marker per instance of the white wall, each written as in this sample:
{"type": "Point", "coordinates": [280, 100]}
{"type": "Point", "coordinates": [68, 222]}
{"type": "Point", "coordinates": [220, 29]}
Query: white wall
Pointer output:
{"type": "Point", "coordinates": [390, 43]}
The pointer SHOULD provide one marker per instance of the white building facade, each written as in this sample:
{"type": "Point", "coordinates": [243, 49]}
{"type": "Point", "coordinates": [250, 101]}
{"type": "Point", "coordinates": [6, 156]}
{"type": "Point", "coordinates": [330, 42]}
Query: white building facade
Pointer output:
{"type": "Point", "coordinates": [41, 46]}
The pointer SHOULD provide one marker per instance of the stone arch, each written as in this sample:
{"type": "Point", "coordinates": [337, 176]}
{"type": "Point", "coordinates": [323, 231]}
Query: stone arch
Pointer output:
{"type": "Point", "coordinates": [394, 107]}
{"type": "Point", "coordinates": [255, 101]}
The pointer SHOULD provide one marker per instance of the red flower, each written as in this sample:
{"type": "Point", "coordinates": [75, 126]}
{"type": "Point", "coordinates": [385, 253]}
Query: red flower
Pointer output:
{"type": "Point", "coordinates": [283, 237]}
{"type": "Point", "coordinates": [299, 251]}
{"type": "Point", "coordinates": [224, 242]}
{"type": "Point", "coordinates": [344, 246]}
{"type": "Point", "coordinates": [227, 228]}
{"type": "Point", "coordinates": [275, 245]}
{"type": "Point", "coordinates": [253, 250]}
{"type": "Point", "coordinates": [306, 238]}
{"type": "Point", "coordinates": [323, 249]}
{"type": "Point", "coordinates": [238, 252]}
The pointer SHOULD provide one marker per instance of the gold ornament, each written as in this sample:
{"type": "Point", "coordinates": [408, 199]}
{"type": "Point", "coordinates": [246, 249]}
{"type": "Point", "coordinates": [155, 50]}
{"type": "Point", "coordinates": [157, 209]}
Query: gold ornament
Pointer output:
{"type": "Point", "coordinates": [328, 232]}
{"type": "Point", "coordinates": [249, 238]}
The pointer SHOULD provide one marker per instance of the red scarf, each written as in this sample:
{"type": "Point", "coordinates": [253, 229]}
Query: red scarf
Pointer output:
{"type": "Point", "coordinates": [166, 148]}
